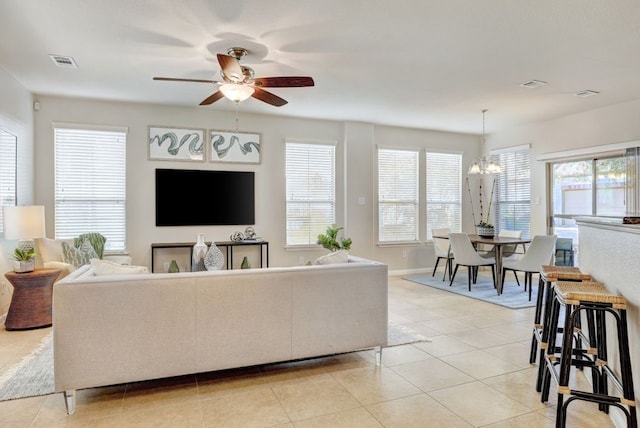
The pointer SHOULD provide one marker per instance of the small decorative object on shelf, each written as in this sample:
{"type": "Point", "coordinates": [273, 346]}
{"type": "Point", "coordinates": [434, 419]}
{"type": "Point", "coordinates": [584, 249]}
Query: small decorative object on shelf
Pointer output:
{"type": "Point", "coordinates": [236, 236]}
{"type": "Point", "coordinates": [173, 267]}
{"type": "Point", "coordinates": [214, 259]}
{"type": "Point", "coordinates": [250, 233]}
{"type": "Point", "coordinates": [245, 263]}
{"type": "Point", "coordinates": [199, 253]}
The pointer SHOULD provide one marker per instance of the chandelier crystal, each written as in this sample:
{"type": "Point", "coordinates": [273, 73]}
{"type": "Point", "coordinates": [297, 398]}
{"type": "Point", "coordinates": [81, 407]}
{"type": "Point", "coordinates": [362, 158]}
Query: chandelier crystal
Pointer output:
{"type": "Point", "coordinates": [483, 165]}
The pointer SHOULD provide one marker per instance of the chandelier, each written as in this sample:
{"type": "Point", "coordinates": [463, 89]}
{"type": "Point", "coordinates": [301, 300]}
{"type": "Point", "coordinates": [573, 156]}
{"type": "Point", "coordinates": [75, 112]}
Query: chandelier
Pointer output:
{"type": "Point", "coordinates": [483, 165]}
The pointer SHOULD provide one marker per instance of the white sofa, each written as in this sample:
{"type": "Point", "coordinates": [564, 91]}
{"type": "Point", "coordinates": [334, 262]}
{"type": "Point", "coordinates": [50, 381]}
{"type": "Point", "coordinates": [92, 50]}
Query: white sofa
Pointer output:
{"type": "Point", "coordinates": [123, 328]}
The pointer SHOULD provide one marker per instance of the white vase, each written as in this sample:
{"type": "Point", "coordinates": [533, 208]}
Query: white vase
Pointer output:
{"type": "Point", "coordinates": [214, 260]}
{"type": "Point", "coordinates": [199, 253]}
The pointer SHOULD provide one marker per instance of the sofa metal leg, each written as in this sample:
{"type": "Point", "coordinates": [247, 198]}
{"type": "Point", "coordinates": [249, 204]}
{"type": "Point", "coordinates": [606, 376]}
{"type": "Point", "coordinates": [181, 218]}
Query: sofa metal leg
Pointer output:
{"type": "Point", "coordinates": [378, 350]}
{"type": "Point", "coordinates": [70, 401]}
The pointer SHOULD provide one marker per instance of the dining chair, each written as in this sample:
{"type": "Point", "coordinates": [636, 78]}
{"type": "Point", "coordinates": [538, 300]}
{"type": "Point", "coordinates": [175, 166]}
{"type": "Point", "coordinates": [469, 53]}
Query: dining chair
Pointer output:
{"type": "Point", "coordinates": [564, 252]}
{"type": "Point", "coordinates": [465, 255]}
{"type": "Point", "coordinates": [540, 252]}
{"type": "Point", "coordinates": [509, 252]}
{"type": "Point", "coordinates": [442, 250]}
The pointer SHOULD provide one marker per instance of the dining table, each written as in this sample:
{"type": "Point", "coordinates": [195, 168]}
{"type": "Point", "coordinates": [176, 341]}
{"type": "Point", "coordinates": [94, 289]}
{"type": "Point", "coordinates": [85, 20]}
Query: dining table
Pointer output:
{"type": "Point", "coordinates": [498, 243]}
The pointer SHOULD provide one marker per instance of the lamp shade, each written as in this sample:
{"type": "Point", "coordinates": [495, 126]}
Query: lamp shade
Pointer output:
{"type": "Point", "coordinates": [237, 92]}
{"type": "Point", "coordinates": [23, 222]}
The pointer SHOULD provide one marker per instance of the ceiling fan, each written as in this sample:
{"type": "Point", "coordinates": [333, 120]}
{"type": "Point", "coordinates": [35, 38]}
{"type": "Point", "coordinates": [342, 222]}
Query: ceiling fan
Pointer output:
{"type": "Point", "coordinates": [238, 82]}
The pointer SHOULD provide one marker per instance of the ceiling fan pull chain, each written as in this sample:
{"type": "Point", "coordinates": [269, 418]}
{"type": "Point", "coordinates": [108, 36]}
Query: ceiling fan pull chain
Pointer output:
{"type": "Point", "coordinates": [237, 130]}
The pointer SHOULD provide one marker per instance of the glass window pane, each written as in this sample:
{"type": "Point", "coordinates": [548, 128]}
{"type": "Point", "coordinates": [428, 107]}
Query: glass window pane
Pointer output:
{"type": "Point", "coordinates": [397, 195]}
{"type": "Point", "coordinates": [310, 190]}
{"type": "Point", "coordinates": [443, 192]}
{"type": "Point", "coordinates": [572, 188]}
{"type": "Point", "coordinates": [610, 186]}
{"type": "Point", "coordinates": [90, 185]}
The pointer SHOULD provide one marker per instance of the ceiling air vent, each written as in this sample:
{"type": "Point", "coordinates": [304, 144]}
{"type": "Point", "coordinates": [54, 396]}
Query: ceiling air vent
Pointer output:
{"type": "Point", "coordinates": [63, 61]}
{"type": "Point", "coordinates": [586, 93]}
{"type": "Point", "coordinates": [532, 84]}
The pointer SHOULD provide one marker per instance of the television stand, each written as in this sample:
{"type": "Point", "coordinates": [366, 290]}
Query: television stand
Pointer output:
{"type": "Point", "coordinates": [226, 245]}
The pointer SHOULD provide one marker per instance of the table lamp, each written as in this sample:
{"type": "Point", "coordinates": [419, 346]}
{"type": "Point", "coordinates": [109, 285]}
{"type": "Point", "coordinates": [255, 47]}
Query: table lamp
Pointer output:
{"type": "Point", "coordinates": [24, 223]}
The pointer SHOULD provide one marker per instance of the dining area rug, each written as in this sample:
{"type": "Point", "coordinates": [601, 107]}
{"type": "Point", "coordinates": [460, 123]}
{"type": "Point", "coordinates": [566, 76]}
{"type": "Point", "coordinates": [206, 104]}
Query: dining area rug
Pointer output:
{"type": "Point", "coordinates": [513, 296]}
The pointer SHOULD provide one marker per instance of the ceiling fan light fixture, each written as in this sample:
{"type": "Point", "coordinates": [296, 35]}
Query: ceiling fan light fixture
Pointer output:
{"type": "Point", "coordinates": [236, 92]}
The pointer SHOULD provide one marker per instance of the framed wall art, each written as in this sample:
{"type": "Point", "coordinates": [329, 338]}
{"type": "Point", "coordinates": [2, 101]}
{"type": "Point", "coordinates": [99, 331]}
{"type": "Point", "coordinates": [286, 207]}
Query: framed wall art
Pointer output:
{"type": "Point", "coordinates": [233, 146]}
{"type": "Point", "coordinates": [172, 143]}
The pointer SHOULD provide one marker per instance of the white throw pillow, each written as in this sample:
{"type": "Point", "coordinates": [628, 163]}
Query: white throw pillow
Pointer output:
{"type": "Point", "coordinates": [106, 267]}
{"type": "Point", "coordinates": [341, 256]}
{"type": "Point", "coordinates": [51, 249]}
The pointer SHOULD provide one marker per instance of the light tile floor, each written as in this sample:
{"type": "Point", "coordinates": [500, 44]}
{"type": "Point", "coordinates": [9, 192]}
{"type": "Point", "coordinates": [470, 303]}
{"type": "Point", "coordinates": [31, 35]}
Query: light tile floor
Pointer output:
{"type": "Point", "coordinates": [474, 373]}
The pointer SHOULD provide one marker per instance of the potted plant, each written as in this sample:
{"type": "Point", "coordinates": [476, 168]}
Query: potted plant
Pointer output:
{"type": "Point", "coordinates": [24, 260]}
{"type": "Point", "coordinates": [329, 240]}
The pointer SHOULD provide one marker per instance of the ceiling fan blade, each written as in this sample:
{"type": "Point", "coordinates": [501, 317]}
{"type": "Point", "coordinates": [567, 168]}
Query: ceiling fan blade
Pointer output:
{"type": "Point", "coordinates": [231, 67]}
{"type": "Point", "coordinates": [283, 82]}
{"type": "Point", "coordinates": [175, 79]}
{"type": "Point", "coordinates": [212, 98]}
{"type": "Point", "coordinates": [268, 97]}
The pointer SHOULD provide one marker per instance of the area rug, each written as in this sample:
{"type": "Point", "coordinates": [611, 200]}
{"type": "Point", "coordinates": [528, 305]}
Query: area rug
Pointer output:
{"type": "Point", "coordinates": [512, 296]}
{"type": "Point", "coordinates": [33, 375]}
{"type": "Point", "coordinates": [401, 335]}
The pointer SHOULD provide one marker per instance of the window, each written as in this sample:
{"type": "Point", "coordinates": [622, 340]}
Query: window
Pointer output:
{"type": "Point", "coordinates": [586, 187]}
{"type": "Point", "coordinates": [310, 186]}
{"type": "Point", "coordinates": [513, 194]}
{"type": "Point", "coordinates": [397, 195]}
{"type": "Point", "coordinates": [444, 191]}
{"type": "Point", "coordinates": [90, 185]}
{"type": "Point", "coordinates": [8, 146]}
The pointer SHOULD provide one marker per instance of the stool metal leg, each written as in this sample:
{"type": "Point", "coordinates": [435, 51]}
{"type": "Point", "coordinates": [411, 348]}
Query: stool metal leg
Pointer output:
{"type": "Point", "coordinates": [537, 327]}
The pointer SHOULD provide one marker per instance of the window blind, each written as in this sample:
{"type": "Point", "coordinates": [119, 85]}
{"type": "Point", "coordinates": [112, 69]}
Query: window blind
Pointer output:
{"type": "Point", "coordinates": [443, 191]}
{"type": "Point", "coordinates": [8, 170]}
{"type": "Point", "coordinates": [90, 185]}
{"type": "Point", "coordinates": [310, 187]}
{"type": "Point", "coordinates": [397, 195]}
{"type": "Point", "coordinates": [513, 194]}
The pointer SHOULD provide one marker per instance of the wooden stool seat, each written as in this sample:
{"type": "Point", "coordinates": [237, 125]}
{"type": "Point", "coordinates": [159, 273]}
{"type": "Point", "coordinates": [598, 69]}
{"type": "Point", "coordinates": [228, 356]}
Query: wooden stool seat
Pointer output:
{"type": "Point", "coordinates": [596, 302]}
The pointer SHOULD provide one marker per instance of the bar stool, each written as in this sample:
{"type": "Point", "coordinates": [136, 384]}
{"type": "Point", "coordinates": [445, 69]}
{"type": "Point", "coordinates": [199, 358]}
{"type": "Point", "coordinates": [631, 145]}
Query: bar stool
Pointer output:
{"type": "Point", "coordinates": [540, 337]}
{"type": "Point", "coordinates": [596, 301]}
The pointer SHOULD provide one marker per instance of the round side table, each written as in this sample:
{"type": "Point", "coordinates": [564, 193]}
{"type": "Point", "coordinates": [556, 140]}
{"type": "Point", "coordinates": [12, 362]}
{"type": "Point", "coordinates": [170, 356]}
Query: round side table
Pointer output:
{"type": "Point", "coordinates": [31, 301]}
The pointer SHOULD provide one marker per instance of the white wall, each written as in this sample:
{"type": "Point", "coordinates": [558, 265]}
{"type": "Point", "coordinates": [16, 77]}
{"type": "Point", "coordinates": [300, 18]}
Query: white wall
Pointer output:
{"type": "Point", "coordinates": [355, 165]}
{"type": "Point", "coordinates": [16, 117]}
{"type": "Point", "coordinates": [609, 125]}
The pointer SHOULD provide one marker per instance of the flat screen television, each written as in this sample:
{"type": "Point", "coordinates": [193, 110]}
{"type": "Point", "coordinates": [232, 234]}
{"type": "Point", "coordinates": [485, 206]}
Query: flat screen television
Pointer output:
{"type": "Point", "coordinates": [187, 197]}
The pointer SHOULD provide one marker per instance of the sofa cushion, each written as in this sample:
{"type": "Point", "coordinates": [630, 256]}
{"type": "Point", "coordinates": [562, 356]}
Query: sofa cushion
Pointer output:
{"type": "Point", "coordinates": [341, 256]}
{"type": "Point", "coordinates": [97, 241]}
{"type": "Point", "coordinates": [51, 249]}
{"type": "Point", "coordinates": [78, 256]}
{"type": "Point", "coordinates": [106, 267]}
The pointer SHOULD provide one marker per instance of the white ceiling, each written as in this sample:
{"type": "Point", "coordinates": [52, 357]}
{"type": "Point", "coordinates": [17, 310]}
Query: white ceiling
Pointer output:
{"type": "Point", "coordinates": [433, 64]}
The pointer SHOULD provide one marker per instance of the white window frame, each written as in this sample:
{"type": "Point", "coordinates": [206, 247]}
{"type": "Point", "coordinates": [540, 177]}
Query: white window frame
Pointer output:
{"type": "Point", "coordinates": [316, 160]}
{"type": "Point", "coordinates": [8, 172]}
{"type": "Point", "coordinates": [391, 197]}
{"type": "Point", "coordinates": [443, 187]}
{"type": "Point", "coordinates": [87, 158]}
